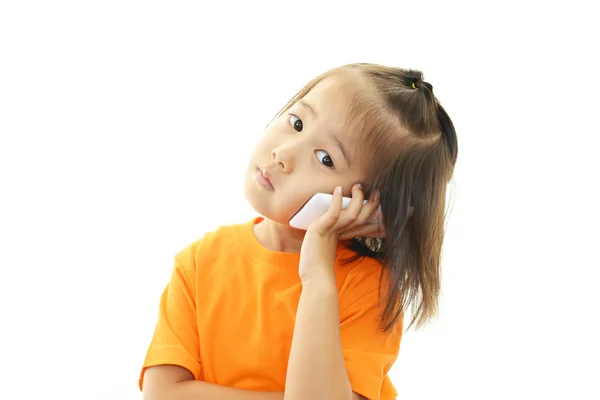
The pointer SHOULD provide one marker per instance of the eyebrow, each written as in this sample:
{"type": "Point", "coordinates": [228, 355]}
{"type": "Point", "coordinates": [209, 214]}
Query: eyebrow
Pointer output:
{"type": "Point", "coordinates": [310, 108]}
{"type": "Point", "coordinates": [337, 141]}
{"type": "Point", "coordinates": [343, 150]}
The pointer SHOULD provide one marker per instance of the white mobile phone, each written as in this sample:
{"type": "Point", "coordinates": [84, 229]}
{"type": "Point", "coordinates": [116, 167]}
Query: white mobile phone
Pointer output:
{"type": "Point", "coordinates": [314, 208]}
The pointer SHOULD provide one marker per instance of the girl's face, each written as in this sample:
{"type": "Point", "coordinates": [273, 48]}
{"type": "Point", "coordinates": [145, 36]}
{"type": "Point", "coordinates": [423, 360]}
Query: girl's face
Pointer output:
{"type": "Point", "coordinates": [306, 150]}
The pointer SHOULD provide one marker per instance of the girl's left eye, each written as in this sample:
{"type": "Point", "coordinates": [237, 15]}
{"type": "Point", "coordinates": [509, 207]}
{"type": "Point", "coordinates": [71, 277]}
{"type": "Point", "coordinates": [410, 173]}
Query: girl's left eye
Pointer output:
{"type": "Point", "coordinates": [324, 158]}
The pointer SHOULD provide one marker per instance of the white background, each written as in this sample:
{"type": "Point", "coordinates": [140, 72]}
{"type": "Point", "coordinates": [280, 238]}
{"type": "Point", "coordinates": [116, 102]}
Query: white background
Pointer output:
{"type": "Point", "coordinates": [125, 130]}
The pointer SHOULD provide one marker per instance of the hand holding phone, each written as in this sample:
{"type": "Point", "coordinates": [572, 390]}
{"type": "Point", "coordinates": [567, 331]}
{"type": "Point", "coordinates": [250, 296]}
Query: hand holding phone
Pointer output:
{"type": "Point", "coordinates": [317, 206]}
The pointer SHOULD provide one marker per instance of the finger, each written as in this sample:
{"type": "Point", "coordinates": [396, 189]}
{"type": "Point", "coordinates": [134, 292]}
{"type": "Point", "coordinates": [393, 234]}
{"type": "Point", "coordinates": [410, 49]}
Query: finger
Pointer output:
{"type": "Point", "coordinates": [368, 211]}
{"type": "Point", "coordinates": [366, 230]}
{"type": "Point", "coordinates": [327, 220]}
{"type": "Point", "coordinates": [375, 217]}
{"type": "Point", "coordinates": [351, 213]}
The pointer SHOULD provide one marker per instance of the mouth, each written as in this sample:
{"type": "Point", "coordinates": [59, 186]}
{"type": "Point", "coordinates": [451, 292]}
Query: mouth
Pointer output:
{"type": "Point", "coordinates": [262, 177]}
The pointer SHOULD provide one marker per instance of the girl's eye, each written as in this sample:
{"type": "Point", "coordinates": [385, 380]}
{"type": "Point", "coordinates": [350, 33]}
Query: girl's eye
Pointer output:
{"type": "Point", "coordinates": [296, 123]}
{"type": "Point", "coordinates": [324, 158]}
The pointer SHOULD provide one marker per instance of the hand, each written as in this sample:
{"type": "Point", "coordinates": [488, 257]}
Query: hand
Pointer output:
{"type": "Point", "coordinates": [317, 254]}
{"type": "Point", "coordinates": [372, 227]}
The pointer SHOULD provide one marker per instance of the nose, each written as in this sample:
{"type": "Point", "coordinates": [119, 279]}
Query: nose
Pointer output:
{"type": "Point", "coordinates": [283, 155]}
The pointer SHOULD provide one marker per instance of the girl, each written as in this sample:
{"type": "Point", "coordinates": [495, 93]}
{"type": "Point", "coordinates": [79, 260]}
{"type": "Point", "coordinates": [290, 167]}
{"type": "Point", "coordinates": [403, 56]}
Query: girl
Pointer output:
{"type": "Point", "coordinates": [260, 310]}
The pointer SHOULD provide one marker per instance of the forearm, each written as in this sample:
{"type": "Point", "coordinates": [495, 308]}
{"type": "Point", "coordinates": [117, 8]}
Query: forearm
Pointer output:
{"type": "Point", "coordinates": [198, 390]}
{"type": "Point", "coordinates": [316, 368]}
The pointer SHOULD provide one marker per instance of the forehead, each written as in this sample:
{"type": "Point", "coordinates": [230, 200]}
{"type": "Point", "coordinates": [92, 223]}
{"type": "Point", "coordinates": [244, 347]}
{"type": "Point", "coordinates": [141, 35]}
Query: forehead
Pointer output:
{"type": "Point", "coordinates": [333, 100]}
{"type": "Point", "coordinates": [333, 97]}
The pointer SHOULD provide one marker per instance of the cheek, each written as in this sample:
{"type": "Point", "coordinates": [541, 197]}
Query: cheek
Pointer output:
{"type": "Point", "coordinates": [287, 204]}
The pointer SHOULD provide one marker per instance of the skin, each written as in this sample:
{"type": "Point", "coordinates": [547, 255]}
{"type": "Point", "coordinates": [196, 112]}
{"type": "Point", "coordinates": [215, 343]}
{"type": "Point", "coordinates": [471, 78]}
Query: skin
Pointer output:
{"type": "Point", "coordinates": [295, 164]}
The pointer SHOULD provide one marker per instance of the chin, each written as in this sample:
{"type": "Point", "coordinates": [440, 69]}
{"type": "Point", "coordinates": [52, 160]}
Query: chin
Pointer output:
{"type": "Point", "coordinates": [267, 213]}
{"type": "Point", "coordinates": [262, 208]}
{"type": "Point", "coordinates": [262, 203]}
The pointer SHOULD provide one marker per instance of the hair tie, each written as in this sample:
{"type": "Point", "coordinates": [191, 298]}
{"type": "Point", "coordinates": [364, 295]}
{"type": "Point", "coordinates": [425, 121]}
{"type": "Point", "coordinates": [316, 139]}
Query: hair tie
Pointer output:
{"type": "Point", "coordinates": [412, 78]}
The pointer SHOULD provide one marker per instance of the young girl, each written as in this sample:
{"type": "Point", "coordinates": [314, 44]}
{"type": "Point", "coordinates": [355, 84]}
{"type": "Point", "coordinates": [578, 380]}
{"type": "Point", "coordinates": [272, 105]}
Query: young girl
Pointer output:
{"type": "Point", "coordinates": [261, 310]}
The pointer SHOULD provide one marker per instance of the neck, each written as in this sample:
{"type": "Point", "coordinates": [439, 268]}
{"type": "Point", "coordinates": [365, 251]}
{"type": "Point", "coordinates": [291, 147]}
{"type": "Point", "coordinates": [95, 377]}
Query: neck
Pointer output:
{"type": "Point", "coordinates": [278, 237]}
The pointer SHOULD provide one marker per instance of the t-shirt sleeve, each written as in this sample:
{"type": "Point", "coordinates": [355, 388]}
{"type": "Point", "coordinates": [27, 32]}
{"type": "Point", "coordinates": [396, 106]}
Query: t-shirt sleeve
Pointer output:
{"type": "Point", "coordinates": [175, 340]}
{"type": "Point", "coordinates": [369, 353]}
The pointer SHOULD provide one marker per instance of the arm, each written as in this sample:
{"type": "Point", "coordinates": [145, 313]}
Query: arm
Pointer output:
{"type": "Point", "coordinates": [316, 368]}
{"type": "Point", "coordinates": [319, 367]}
{"type": "Point", "coordinates": [172, 369]}
{"type": "Point", "coordinates": [170, 382]}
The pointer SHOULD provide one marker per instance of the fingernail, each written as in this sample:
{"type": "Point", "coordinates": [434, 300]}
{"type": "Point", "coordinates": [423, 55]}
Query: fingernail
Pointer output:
{"type": "Point", "coordinates": [359, 186]}
{"type": "Point", "coordinates": [338, 189]}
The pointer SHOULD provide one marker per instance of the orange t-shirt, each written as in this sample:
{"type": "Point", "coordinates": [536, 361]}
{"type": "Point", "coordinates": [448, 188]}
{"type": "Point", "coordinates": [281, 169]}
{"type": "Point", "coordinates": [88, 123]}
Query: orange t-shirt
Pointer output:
{"type": "Point", "coordinates": [227, 315]}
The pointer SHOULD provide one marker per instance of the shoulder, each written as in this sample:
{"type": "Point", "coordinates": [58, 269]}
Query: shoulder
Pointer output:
{"type": "Point", "coordinates": [363, 278]}
{"type": "Point", "coordinates": [211, 245]}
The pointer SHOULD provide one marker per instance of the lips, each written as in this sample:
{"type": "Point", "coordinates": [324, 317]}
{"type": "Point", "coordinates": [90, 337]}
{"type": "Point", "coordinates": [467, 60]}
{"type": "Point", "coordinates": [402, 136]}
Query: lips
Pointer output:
{"type": "Point", "coordinates": [262, 177]}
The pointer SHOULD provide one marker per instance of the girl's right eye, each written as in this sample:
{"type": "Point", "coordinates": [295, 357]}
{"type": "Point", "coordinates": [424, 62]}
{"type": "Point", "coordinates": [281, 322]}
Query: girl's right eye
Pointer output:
{"type": "Point", "coordinates": [296, 122]}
